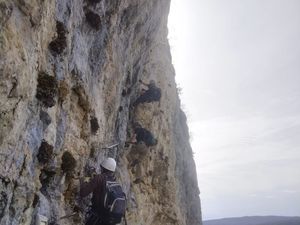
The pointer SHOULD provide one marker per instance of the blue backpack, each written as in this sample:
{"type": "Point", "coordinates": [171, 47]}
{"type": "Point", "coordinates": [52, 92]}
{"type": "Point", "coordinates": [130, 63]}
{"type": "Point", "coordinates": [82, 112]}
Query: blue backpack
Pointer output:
{"type": "Point", "coordinates": [114, 202]}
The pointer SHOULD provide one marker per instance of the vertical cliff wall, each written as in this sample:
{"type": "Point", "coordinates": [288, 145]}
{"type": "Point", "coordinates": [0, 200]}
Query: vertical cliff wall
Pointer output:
{"type": "Point", "coordinates": [70, 71]}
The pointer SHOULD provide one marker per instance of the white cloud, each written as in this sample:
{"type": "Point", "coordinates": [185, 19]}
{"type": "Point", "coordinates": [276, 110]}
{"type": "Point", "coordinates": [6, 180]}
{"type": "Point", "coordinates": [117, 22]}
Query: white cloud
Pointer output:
{"type": "Point", "coordinates": [245, 156]}
{"type": "Point", "coordinates": [238, 64]}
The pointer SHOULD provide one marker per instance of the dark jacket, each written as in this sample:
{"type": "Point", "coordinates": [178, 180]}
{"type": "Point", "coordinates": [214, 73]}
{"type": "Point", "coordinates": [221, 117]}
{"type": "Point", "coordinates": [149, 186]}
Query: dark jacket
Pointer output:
{"type": "Point", "coordinates": [151, 95]}
{"type": "Point", "coordinates": [143, 135]}
{"type": "Point", "coordinates": [97, 187]}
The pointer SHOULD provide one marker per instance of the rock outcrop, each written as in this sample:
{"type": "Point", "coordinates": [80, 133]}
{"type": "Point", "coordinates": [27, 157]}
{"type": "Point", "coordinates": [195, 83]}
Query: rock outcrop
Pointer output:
{"type": "Point", "coordinates": [70, 71]}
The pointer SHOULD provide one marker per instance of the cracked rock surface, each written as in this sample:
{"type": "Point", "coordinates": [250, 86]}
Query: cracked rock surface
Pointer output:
{"type": "Point", "coordinates": [70, 71]}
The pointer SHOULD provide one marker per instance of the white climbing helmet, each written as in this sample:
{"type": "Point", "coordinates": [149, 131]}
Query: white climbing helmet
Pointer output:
{"type": "Point", "coordinates": [109, 164]}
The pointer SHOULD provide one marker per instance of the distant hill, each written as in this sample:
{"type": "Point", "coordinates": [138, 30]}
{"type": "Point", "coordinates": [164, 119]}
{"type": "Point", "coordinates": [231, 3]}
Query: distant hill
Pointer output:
{"type": "Point", "coordinates": [255, 220]}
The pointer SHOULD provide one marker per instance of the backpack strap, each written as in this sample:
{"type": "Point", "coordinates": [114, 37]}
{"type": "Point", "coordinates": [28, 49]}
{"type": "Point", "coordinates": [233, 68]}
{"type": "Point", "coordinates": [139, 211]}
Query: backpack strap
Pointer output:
{"type": "Point", "coordinates": [109, 177]}
{"type": "Point", "coordinates": [125, 220]}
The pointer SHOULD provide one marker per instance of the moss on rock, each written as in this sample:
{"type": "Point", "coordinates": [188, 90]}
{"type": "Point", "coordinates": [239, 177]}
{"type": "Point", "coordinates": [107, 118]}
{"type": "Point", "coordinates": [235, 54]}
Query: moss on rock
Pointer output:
{"type": "Point", "coordinates": [45, 152]}
{"type": "Point", "coordinates": [58, 45]}
{"type": "Point", "coordinates": [93, 20]}
{"type": "Point", "coordinates": [46, 89]}
{"type": "Point", "coordinates": [68, 162]}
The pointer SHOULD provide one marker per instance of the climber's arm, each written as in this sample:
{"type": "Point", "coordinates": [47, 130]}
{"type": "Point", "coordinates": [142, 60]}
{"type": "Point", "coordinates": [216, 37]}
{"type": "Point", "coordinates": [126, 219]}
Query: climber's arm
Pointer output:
{"type": "Point", "coordinates": [88, 187]}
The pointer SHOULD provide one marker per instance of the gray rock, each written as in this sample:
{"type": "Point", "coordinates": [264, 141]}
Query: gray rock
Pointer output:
{"type": "Point", "coordinates": [91, 66]}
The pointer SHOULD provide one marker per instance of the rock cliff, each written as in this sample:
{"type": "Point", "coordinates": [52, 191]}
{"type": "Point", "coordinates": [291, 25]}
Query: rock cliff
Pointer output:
{"type": "Point", "coordinates": [70, 72]}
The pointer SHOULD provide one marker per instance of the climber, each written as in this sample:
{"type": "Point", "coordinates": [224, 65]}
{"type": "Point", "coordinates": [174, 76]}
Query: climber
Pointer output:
{"type": "Point", "coordinates": [102, 211]}
{"type": "Point", "coordinates": [142, 135]}
{"type": "Point", "coordinates": [152, 94]}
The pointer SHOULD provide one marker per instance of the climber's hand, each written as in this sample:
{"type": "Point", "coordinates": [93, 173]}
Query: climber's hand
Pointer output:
{"type": "Point", "coordinates": [85, 180]}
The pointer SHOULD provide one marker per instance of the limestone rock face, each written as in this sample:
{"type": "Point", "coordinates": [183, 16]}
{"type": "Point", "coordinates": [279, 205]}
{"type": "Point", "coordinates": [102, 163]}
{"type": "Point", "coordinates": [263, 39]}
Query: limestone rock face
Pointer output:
{"type": "Point", "coordinates": [70, 72]}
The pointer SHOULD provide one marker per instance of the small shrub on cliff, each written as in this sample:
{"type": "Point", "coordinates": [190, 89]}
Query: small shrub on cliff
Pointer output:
{"type": "Point", "coordinates": [45, 152]}
{"type": "Point", "coordinates": [58, 45]}
{"type": "Point", "coordinates": [46, 89]}
{"type": "Point", "coordinates": [68, 162]}
{"type": "Point", "coordinates": [93, 20]}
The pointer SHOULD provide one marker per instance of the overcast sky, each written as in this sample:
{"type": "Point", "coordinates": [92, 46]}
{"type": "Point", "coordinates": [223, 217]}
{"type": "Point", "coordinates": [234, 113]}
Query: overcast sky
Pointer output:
{"type": "Point", "coordinates": [238, 64]}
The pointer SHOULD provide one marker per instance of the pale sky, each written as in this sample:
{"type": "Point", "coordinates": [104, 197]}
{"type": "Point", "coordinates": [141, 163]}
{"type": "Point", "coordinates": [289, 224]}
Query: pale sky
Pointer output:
{"type": "Point", "coordinates": [238, 64]}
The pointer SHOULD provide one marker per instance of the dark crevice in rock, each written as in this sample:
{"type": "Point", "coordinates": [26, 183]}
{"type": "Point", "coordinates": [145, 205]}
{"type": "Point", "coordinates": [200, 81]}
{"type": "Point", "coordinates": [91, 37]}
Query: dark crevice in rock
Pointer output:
{"type": "Point", "coordinates": [16, 105]}
{"type": "Point", "coordinates": [5, 12]}
{"type": "Point", "coordinates": [93, 19]}
{"type": "Point", "coordinates": [128, 91]}
{"type": "Point", "coordinates": [93, 1]}
{"type": "Point", "coordinates": [128, 80]}
{"type": "Point", "coordinates": [23, 166]}
{"type": "Point", "coordinates": [3, 203]}
{"type": "Point", "coordinates": [53, 223]}
{"type": "Point", "coordinates": [6, 122]}
{"type": "Point", "coordinates": [35, 201]}
{"type": "Point", "coordinates": [11, 209]}
{"type": "Point", "coordinates": [13, 91]}
{"type": "Point", "coordinates": [46, 177]}
{"type": "Point", "coordinates": [136, 72]}
{"type": "Point", "coordinates": [128, 16]}
{"type": "Point", "coordinates": [92, 152]}
{"type": "Point", "coordinates": [94, 125]}
{"type": "Point", "coordinates": [46, 89]}
{"type": "Point", "coordinates": [58, 45]}
{"type": "Point", "coordinates": [45, 152]}
{"type": "Point", "coordinates": [5, 180]}
{"type": "Point", "coordinates": [68, 163]}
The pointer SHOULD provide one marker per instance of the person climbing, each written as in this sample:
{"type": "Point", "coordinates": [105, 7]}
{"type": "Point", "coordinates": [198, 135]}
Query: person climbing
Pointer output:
{"type": "Point", "coordinates": [151, 95]}
{"type": "Point", "coordinates": [142, 135]}
{"type": "Point", "coordinates": [108, 200]}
